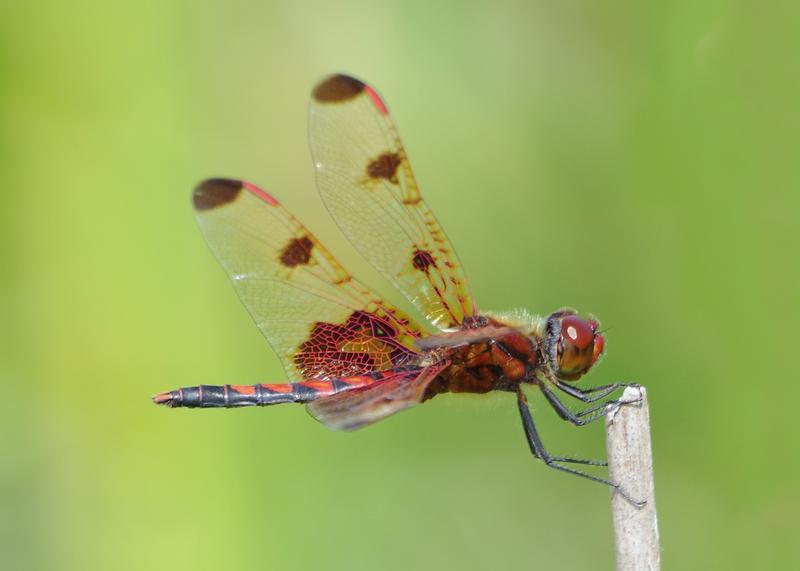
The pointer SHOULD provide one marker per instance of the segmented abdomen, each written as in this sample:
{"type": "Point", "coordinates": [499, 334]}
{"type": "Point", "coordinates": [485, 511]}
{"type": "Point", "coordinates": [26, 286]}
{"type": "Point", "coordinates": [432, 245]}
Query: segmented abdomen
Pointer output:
{"type": "Point", "coordinates": [212, 396]}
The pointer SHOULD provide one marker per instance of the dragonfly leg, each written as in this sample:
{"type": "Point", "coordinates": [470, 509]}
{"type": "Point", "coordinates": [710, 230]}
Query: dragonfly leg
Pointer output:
{"type": "Point", "coordinates": [591, 394]}
{"type": "Point", "coordinates": [604, 405]}
{"type": "Point", "coordinates": [538, 450]}
{"type": "Point", "coordinates": [583, 417]}
{"type": "Point", "coordinates": [533, 438]}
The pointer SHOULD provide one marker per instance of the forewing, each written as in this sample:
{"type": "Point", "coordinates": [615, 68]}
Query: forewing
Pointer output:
{"type": "Point", "coordinates": [464, 337]}
{"type": "Point", "coordinates": [359, 407]}
{"type": "Point", "coordinates": [319, 320]}
{"type": "Point", "coordinates": [365, 180]}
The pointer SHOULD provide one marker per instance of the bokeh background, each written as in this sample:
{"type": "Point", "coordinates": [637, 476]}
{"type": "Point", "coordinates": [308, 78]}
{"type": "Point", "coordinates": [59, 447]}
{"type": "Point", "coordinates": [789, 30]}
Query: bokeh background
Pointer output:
{"type": "Point", "coordinates": [638, 160]}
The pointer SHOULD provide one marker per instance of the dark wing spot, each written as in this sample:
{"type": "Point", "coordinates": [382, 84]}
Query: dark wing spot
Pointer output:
{"type": "Point", "coordinates": [422, 260]}
{"type": "Point", "coordinates": [362, 344]}
{"type": "Point", "coordinates": [385, 166]}
{"type": "Point", "coordinates": [215, 192]}
{"type": "Point", "coordinates": [337, 88]}
{"type": "Point", "coordinates": [297, 252]}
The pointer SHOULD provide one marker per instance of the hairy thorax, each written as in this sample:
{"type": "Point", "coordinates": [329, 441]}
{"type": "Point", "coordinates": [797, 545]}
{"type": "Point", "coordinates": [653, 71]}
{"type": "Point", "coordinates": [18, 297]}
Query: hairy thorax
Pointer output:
{"type": "Point", "coordinates": [499, 363]}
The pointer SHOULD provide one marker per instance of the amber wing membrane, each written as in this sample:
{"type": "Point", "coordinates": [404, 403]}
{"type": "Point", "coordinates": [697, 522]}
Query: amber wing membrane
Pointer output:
{"type": "Point", "coordinates": [399, 390]}
{"type": "Point", "coordinates": [321, 322]}
{"type": "Point", "coordinates": [366, 182]}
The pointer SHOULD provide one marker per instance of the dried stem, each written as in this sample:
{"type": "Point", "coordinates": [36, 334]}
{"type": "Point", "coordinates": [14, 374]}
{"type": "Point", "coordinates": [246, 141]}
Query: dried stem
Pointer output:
{"type": "Point", "coordinates": [630, 464]}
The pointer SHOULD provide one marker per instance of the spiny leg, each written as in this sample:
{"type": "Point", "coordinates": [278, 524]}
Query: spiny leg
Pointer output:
{"type": "Point", "coordinates": [538, 450]}
{"type": "Point", "coordinates": [592, 413]}
{"type": "Point", "coordinates": [587, 396]}
{"type": "Point", "coordinates": [591, 394]}
{"type": "Point", "coordinates": [604, 405]}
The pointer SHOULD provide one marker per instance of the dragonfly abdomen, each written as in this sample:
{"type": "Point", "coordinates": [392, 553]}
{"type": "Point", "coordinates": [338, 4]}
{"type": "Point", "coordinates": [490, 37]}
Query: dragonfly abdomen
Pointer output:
{"type": "Point", "coordinates": [264, 394]}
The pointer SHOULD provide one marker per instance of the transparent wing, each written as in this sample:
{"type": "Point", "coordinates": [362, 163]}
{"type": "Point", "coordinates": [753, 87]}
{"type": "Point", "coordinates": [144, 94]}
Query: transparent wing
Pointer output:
{"type": "Point", "coordinates": [361, 406]}
{"type": "Point", "coordinates": [319, 320]}
{"type": "Point", "coordinates": [366, 182]}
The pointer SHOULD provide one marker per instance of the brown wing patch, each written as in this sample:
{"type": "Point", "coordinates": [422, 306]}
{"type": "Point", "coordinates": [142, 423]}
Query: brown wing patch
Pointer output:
{"type": "Point", "coordinates": [337, 88]}
{"type": "Point", "coordinates": [363, 342]}
{"type": "Point", "coordinates": [297, 252]}
{"type": "Point", "coordinates": [385, 167]}
{"type": "Point", "coordinates": [215, 192]}
{"type": "Point", "coordinates": [423, 260]}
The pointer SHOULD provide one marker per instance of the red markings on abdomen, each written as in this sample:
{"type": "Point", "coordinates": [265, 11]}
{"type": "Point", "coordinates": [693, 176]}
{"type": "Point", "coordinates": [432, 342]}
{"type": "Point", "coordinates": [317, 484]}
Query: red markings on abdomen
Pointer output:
{"type": "Point", "coordinates": [325, 387]}
{"type": "Point", "coordinates": [244, 389]}
{"type": "Point", "coordinates": [278, 387]}
{"type": "Point", "coordinates": [354, 382]}
{"type": "Point", "coordinates": [265, 394]}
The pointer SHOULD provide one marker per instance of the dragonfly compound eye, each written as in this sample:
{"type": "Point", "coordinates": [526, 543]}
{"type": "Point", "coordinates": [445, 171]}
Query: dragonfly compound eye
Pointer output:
{"type": "Point", "coordinates": [576, 331]}
{"type": "Point", "coordinates": [578, 347]}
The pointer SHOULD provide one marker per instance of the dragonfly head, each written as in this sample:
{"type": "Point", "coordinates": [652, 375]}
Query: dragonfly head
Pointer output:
{"type": "Point", "coordinates": [573, 344]}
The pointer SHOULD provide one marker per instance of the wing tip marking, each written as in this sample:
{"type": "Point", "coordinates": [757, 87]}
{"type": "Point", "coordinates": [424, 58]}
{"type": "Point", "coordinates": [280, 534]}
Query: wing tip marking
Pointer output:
{"type": "Point", "coordinates": [338, 88]}
{"type": "Point", "coordinates": [215, 192]}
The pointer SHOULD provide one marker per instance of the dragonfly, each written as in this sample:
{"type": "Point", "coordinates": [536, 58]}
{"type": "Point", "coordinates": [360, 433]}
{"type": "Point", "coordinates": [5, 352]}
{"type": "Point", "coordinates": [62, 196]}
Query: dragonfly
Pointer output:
{"type": "Point", "coordinates": [352, 357]}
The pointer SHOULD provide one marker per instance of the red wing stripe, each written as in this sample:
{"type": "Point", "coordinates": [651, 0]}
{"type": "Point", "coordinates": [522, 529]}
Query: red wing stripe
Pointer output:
{"type": "Point", "coordinates": [260, 193]}
{"type": "Point", "coordinates": [376, 100]}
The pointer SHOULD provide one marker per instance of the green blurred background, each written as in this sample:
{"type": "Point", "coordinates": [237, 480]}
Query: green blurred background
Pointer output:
{"type": "Point", "coordinates": [635, 160]}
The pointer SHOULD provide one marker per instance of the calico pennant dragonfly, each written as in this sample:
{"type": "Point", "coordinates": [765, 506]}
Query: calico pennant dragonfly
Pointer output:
{"type": "Point", "coordinates": [353, 357]}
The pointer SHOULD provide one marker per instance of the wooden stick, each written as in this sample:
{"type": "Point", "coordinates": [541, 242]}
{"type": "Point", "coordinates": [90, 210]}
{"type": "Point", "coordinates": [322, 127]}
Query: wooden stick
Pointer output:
{"type": "Point", "coordinates": [630, 464]}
